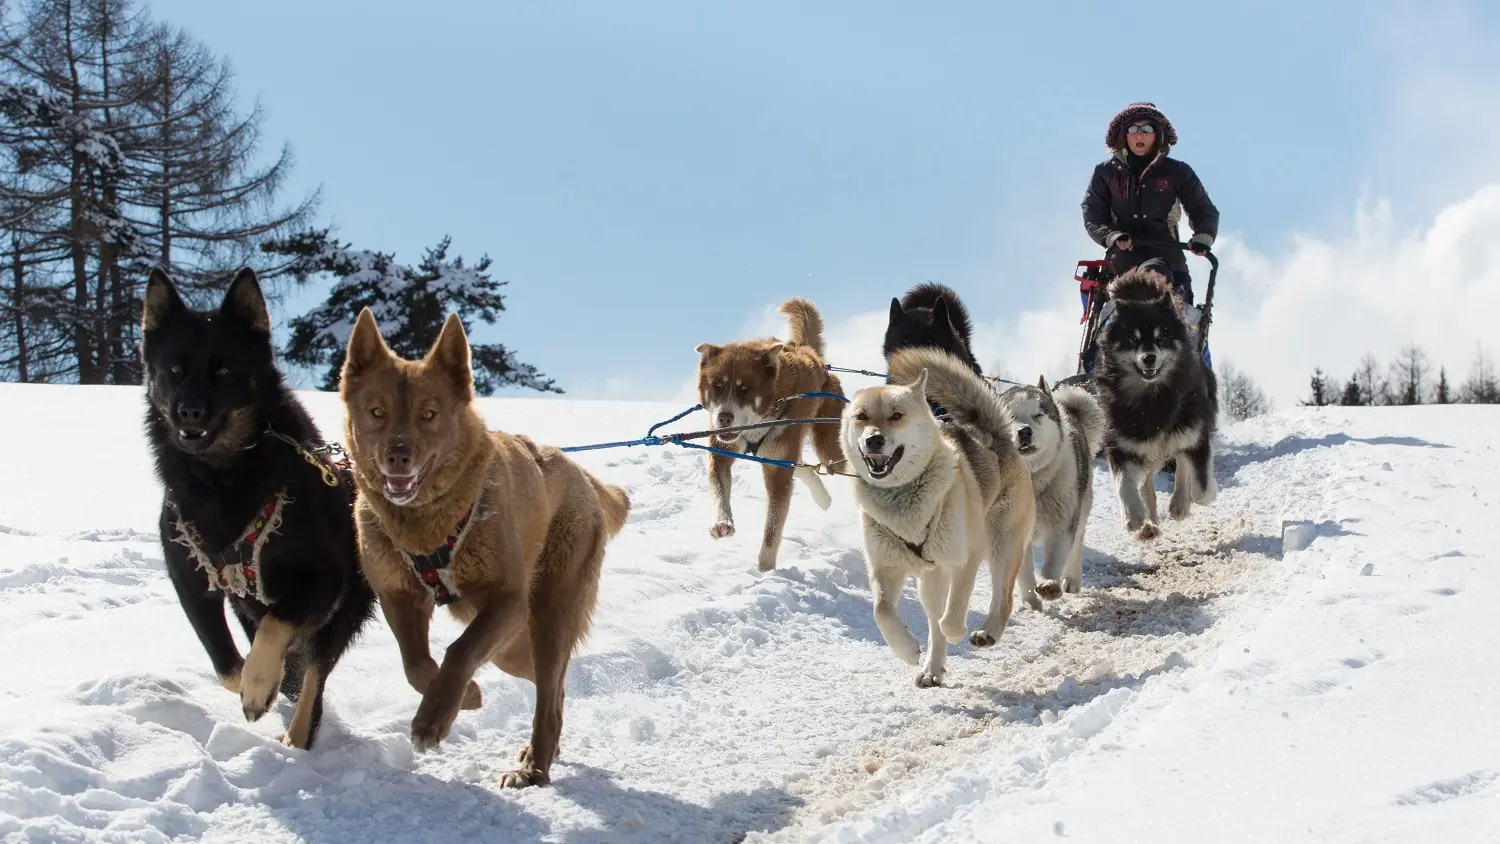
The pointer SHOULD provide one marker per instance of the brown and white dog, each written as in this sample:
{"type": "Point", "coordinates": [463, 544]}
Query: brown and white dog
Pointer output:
{"type": "Point", "coordinates": [743, 383]}
{"type": "Point", "coordinates": [509, 534]}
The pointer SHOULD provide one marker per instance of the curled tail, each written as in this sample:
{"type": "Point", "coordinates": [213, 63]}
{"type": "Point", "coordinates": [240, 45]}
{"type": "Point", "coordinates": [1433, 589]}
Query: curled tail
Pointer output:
{"type": "Point", "coordinates": [927, 294]}
{"type": "Point", "coordinates": [804, 324]}
{"type": "Point", "coordinates": [615, 502]}
{"type": "Point", "coordinates": [964, 395]}
{"type": "Point", "coordinates": [1084, 411]}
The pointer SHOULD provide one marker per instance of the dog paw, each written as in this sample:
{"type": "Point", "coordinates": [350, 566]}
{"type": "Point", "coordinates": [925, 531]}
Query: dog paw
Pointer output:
{"type": "Point", "coordinates": [1206, 495]}
{"type": "Point", "coordinates": [1179, 510]}
{"type": "Point", "coordinates": [721, 530]}
{"type": "Point", "coordinates": [1148, 531]}
{"type": "Point", "coordinates": [1071, 584]}
{"type": "Point", "coordinates": [767, 561]}
{"type": "Point", "coordinates": [929, 679]}
{"type": "Point", "coordinates": [953, 629]}
{"type": "Point", "coordinates": [472, 697]}
{"type": "Point", "coordinates": [1049, 590]}
{"type": "Point", "coordinates": [1029, 596]}
{"type": "Point", "coordinates": [296, 743]}
{"type": "Point", "coordinates": [524, 777]}
{"type": "Point", "coordinates": [431, 724]}
{"type": "Point", "coordinates": [259, 684]}
{"type": "Point", "coordinates": [982, 638]}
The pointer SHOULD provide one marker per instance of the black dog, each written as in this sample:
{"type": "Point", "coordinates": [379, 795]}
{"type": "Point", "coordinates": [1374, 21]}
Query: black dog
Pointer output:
{"type": "Point", "coordinates": [930, 315]}
{"type": "Point", "coordinates": [246, 515]}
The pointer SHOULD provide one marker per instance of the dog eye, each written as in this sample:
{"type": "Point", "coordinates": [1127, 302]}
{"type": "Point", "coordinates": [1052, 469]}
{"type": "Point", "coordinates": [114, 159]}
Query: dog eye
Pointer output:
{"type": "Point", "coordinates": [222, 372]}
{"type": "Point", "coordinates": [429, 415]}
{"type": "Point", "coordinates": [897, 416]}
{"type": "Point", "coordinates": [862, 417]}
{"type": "Point", "coordinates": [377, 412]}
{"type": "Point", "coordinates": [176, 370]}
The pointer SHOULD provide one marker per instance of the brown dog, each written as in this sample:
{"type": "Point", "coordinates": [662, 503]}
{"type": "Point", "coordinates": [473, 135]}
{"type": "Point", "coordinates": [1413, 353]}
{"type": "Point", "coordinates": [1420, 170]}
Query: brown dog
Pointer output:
{"type": "Point", "coordinates": [742, 384]}
{"type": "Point", "coordinates": [508, 534]}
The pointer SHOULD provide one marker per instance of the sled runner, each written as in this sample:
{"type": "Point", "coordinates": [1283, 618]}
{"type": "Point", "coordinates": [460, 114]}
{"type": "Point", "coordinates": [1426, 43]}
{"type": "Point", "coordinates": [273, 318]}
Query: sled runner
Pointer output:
{"type": "Point", "coordinates": [1093, 279]}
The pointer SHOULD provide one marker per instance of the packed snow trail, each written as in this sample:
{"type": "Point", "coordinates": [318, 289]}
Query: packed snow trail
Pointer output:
{"type": "Point", "coordinates": [709, 702]}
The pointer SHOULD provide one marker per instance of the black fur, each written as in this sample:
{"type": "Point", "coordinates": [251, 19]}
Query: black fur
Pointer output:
{"type": "Point", "coordinates": [214, 372]}
{"type": "Point", "coordinates": [1179, 398]}
{"type": "Point", "coordinates": [931, 315]}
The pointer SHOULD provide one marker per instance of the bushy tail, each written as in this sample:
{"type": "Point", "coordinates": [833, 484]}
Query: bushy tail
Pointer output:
{"type": "Point", "coordinates": [1084, 411]}
{"type": "Point", "coordinates": [804, 324]}
{"type": "Point", "coordinates": [964, 395]}
{"type": "Point", "coordinates": [615, 502]}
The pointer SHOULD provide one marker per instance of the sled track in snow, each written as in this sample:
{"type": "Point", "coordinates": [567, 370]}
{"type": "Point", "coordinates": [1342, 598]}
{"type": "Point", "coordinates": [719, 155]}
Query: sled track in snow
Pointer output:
{"type": "Point", "coordinates": [712, 704]}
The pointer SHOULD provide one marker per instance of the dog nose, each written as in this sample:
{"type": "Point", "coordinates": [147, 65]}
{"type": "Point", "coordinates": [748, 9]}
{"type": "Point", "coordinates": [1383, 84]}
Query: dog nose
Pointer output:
{"type": "Point", "coordinates": [191, 413]}
{"type": "Point", "coordinates": [1149, 359]}
{"type": "Point", "coordinates": [725, 418]}
{"type": "Point", "coordinates": [398, 459]}
{"type": "Point", "coordinates": [875, 443]}
{"type": "Point", "coordinates": [1023, 434]}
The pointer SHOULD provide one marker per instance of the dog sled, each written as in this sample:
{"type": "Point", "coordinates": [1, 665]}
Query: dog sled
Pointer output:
{"type": "Point", "coordinates": [1093, 279]}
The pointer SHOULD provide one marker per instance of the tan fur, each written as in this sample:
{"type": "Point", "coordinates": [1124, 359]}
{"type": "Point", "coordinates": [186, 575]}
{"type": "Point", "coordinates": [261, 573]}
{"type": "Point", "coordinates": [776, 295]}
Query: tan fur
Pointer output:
{"type": "Point", "coordinates": [297, 732]}
{"type": "Point", "coordinates": [527, 570]}
{"type": "Point", "coordinates": [757, 373]}
{"type": "Point", "coordinates": [260, 676]}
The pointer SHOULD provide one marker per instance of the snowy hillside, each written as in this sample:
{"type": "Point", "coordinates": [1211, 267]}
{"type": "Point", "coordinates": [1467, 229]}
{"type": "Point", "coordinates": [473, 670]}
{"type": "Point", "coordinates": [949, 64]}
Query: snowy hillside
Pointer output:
{"type": "Point", "coordinates": [1204, 687]}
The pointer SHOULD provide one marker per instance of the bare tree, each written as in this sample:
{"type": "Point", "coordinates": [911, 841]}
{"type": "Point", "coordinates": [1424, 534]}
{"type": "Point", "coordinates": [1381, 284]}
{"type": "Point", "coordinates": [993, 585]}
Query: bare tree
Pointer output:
{"type": "Point", "coordinates": [1239, 396]}
{"type": "Point", "coordinates": [1374, 389]}
{"type": "Point", "coordinates": [1482, 386]}
{"type": "Point", "coordinates": [1409, 374]}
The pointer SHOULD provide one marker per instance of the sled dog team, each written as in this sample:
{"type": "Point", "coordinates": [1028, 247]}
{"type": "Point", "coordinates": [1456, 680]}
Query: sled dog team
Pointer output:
{"type": "Point", "coordinates": [433, 509]}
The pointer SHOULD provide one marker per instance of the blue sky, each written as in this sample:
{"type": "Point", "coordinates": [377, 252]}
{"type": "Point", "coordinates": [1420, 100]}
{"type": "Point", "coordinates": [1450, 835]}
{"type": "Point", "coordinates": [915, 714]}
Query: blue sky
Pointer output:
{"type": "Point", "coordinates": [652, 175]}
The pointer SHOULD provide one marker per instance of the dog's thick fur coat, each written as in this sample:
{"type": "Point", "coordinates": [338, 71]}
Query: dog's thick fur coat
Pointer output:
{"type": "Point", "coordinates": [931, 315]}
{"type": "Point", "coordinates": [937, 499]}
{"type": "Point", "coordinates": [212, 395]}
{"type": "Point", "coordinates": [743, 383]}
{"type": "Point", "coordinates": [525, 569]}
{"type": "Point", "coordinates": [1161, 402]}
{"type": "Point", "coordinates": [1059, 431]}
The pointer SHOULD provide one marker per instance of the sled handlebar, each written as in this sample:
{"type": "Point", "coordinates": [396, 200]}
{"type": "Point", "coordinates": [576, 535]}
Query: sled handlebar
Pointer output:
{"type": "Point", "coordinates": [1207, 317]}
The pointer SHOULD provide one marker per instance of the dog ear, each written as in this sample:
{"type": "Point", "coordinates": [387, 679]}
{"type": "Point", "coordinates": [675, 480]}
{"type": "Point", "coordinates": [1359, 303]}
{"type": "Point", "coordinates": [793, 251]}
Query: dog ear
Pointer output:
{"type": "Point", "coordinates": [366, 348]}
{"type": "Point", "coordinates": [940, 312]}
{"type": "Point", "coordinates": [244, 303]}
{"type": "Point", "coordinates": [1041, 384]}
{"type": "Point", "coordinates": [162, 302]}
{"type": "Point", "coordinates": [896, 311]}
{"type": "Point", "coordinates": [772, 358]}
{"type": "Point", "coordinates": [451, 354]}
{"type": "Point", "coordinates": [707, 350]}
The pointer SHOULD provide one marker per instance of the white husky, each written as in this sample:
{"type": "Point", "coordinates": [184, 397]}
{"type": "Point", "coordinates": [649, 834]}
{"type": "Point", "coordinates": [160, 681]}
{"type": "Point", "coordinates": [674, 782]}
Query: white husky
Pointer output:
{"type": "Point", "coordinates": [936, 500]}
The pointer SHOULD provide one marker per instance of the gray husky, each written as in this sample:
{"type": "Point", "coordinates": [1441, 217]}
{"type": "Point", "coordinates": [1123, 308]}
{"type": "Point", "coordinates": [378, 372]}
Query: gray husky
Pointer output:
{"type": "Point", "coordinates": [1058, 432]}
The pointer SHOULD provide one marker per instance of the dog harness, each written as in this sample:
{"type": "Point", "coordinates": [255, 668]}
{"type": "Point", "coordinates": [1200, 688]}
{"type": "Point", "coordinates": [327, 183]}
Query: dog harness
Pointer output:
{"type": "Point", "coordinates": [234, 569]}
{"type": "Point", "coordinates": [435, 570]}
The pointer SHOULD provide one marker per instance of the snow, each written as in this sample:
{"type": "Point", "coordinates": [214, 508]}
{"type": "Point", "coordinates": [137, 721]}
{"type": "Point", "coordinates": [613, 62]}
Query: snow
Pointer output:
{"type": "Point", "coordinates": [1209, 684]}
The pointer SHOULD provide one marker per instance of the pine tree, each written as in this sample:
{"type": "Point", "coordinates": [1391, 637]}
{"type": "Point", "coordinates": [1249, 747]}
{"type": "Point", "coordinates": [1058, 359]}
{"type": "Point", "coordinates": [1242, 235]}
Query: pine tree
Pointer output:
{"type": "Point", "coordinates": [1353, 395]}
{"type": "Point", "coordinates": [1442, 393]}
{"type": "Point", "coordinates": [1321, 390]}
{"type": "Point", "coordinates": [409, 303]}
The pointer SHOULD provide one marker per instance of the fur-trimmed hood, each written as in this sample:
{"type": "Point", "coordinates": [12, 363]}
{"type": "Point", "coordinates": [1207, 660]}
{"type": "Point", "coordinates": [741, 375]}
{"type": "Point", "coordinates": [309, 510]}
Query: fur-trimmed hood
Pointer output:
{"type": "Point", "coordinates": [1114, 136]}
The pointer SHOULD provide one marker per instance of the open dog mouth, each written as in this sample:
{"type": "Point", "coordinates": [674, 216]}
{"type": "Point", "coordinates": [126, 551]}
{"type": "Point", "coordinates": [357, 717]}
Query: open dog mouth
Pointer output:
{"type": "Point", "coordinates": [194, 439]}
{"type": "Point", "coordinates": [402, 489]}
{"type": "Point", "coordinates": [1149, 373]}
{"type": "Point", "coordinates": [881, 465]}
{"type": "Point", "coordinates": [1027, 448]}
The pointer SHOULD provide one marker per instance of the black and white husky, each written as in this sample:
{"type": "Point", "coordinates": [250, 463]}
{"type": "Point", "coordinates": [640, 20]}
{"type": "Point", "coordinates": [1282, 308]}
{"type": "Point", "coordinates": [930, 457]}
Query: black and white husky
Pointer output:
{"type": "Point", "coordinates": [1058, 432]}
{"type": "Point", "coordinates": [1160, 401]}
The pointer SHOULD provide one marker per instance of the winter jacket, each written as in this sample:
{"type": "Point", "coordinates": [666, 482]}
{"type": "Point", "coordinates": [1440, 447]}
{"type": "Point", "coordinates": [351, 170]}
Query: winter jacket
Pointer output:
{"type": "Point", "coordinates": [1117, 204]}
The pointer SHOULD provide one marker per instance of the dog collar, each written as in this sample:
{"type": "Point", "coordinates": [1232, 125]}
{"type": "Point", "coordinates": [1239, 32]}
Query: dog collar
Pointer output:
{"type": "Point", "coordinates": [234, 569]}
{"type": "Point", "coordinates": [435, 569]}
